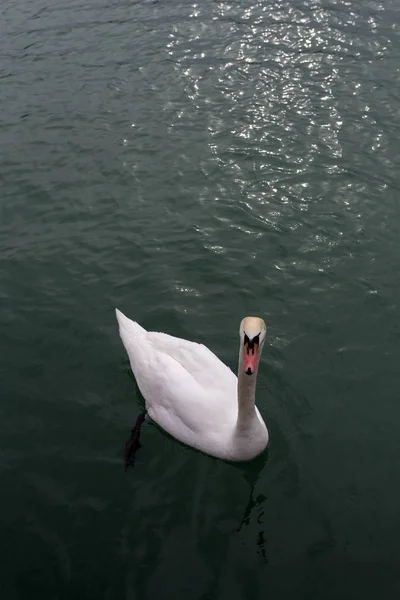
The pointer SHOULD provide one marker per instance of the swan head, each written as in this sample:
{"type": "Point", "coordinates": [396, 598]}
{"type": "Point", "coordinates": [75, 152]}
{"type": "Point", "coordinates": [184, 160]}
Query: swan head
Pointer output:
{"type": "Point", "coordinates": [252, 335]}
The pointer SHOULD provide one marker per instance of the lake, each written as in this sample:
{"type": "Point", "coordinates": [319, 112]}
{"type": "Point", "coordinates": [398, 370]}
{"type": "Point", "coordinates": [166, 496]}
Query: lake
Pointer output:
{"type": "Point", "coordinates": [190, 164]}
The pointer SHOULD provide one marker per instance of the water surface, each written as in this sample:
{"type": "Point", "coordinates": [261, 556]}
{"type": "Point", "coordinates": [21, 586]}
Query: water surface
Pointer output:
{"type": "Point", "coordinates": [192, 163]}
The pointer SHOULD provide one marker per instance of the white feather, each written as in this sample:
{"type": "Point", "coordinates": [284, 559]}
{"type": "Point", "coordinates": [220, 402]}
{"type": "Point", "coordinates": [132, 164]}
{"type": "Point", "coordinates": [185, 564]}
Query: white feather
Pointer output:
{"type": "Point", "coordinates": [190, 393]}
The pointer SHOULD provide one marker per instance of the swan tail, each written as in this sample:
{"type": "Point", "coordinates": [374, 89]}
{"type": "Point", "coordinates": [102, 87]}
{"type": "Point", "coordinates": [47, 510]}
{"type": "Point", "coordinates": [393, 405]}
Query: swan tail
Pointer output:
{"type": "Point", "coordinates": [128, 329]}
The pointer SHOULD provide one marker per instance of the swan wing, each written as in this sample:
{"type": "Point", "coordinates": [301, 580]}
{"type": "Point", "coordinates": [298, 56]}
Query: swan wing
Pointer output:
{"type": "Point", "coordinates": [198, 360]}
{"type": "Point", "coordinates": [190, 412]}
{"type": "Point", "coordinates": [188, 391]}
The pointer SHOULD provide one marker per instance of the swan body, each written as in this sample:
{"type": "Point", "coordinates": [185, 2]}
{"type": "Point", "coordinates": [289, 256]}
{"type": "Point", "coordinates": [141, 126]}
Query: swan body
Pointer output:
{"type": "Point", "coordinates": [193, 395]}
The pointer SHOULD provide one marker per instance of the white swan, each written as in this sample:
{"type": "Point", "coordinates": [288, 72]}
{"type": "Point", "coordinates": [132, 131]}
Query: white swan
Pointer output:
{"type": "Point", "coordinates": [191, 394]}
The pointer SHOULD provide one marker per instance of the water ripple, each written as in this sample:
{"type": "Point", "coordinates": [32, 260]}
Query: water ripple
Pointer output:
{"type": "Point", "coordinates": [279, 77]}
{"type": "Point", "coordinates": [190, 163]}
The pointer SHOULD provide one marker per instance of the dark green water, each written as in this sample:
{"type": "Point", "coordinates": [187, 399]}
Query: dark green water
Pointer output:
{"type": "Point", "coordinates": [191, 164]}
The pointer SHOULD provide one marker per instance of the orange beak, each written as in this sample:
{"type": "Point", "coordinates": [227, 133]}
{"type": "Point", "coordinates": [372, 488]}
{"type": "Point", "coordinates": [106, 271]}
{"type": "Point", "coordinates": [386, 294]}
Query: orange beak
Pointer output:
{"type": "Point", "coordinates": [250, 358]}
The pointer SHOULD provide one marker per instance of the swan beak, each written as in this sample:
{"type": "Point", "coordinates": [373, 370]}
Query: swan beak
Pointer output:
{"type": "Point", "coordinates": [250, 357]}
